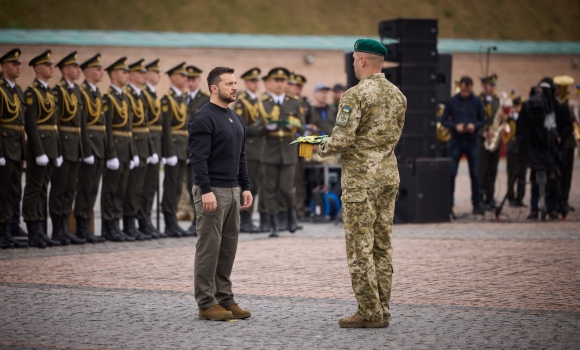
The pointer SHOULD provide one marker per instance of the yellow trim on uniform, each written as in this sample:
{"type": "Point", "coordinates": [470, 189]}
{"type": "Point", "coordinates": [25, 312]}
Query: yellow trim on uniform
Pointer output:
{"type": "Point", "coordinates": [45, 127]}
{"type": "Point", "coordinates": [122, 133]}
{"type": "Point", "coordinates": [12, 127]}
{"type": "Point", "coordinates": [180, 132]}
{"type": "Point", "coordinates": [141, 130]}
{"type": "Point", "coordinates": [97, 127]}
{"type": "Point", "coordinates": [73, 129]}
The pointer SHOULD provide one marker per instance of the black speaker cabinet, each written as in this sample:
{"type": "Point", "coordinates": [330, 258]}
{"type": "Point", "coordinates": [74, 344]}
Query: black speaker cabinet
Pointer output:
{"type": "Point", "coordinates": [420, 99]}
{"type": "Point", "coordinates": [418, 76]}
{"type": "Point", "coordinates": [351, 79]}
{"type": "Point", "coordinates": [420, 124]}
{"type": "Point", "coordinates": [444, 78]}
{"type": "Point", "coordinates": [424, 192]}
{"type": "Point", "coordinates": [412, 53]}
{"type": "Point", "coordinates": [409, 29]}
{"type": "Point", "coordinates": [416, 146]}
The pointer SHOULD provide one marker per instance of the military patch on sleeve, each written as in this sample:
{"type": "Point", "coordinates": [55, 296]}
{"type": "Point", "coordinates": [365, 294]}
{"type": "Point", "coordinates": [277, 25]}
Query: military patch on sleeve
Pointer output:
{"type": "Point", "coordinates": [343, 116]}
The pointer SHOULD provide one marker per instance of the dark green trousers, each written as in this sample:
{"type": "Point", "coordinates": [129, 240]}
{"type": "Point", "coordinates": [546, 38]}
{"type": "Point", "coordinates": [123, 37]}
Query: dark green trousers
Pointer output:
{"type": "Point", "coordinates": [132, 200]}
{"type": "Point", "coordinates": [172, 186]}
{"type": "Point", "coordinates": [150, 188]}
{"type": "Point", "coordinates": [36, 190]}
{"type": "Point", "coordinates": [256, 178]}
{"type": "Point", "coordinates": [10, 184]}
{"type": "Point", "coordinates": [488, 162]}
{"type": "Point", "coordinates": [63, 188]}
{"type": "Point", "coordinates": [88, 187]}
{"type": "Point", "coordinates": [113, 193]}
{"type": "Point", "coordinates": [279, 187]}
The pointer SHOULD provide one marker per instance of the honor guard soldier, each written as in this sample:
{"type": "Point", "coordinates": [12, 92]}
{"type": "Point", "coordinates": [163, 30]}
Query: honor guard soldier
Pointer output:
{"type": "Point", "coordinates": [281, 118]}
{"type": "Point", "coordinates": [43, 149]}
{"type": "Point", "coordinates": [194, 100]}
{"type": "Point", "coordinates": [121, 155]}
{"type": "Point", "coordinates": [159, 141]}
{"type": "Point", "coordinates": [174, 115]}
{"type": "Point", "coordinates": [144, 147]}
{"type": "Point", "coordinates": [247, 107]}
{"type": "Point", "coordinates": [74, 143]}
{"type": "Point", "coordinates": [90, 173]}
{"type": "Point", "coordinates": [488, 161]}
{"type": "Point", "coordinates": [12, 151]}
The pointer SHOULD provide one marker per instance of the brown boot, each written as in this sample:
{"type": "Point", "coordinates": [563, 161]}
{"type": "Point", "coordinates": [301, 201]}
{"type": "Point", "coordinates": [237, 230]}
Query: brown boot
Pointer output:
{"type": "Point", "coordinates": [355, 321]}
{"type": "Point", "coordinates": [215, 313]}
{"type": "Point", "coordinates": [238, 312]}
{"type": "Point", "coordinates": [385, 322]}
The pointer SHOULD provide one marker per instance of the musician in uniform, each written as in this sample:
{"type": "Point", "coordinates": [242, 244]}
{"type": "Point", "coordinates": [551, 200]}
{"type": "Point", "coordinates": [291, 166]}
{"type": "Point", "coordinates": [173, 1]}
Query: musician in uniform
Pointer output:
{"type": "Point", "coordinates": [516, 170]}
{"type": "Point", "coordinates": [159, 141]}
{"type": "Point", "coordinates": [143, 146]}
{"type": "Point", "coordinates": [121, 153]}
{"type": "Point", "coordinates": [174, 115]}
{"type": "Point", "coordinates": [12, 151]}
{"type": "Point", "coordinates": [90, 174]}
{"type": "Point", "coordinates": [247, 107]}
{"type": "Point", "coordinates": [74, 143]}
{"type": "Point", "coordinates": [43, 149]}
{"type": "Point", "coordinates": [488, 160]}
{"type": "Point", "coordinates": [281, 119]}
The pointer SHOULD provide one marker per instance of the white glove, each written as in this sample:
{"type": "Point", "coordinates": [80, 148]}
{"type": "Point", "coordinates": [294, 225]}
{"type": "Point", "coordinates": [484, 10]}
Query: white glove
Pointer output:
{"type": "Point", "coordinates": [154, 158]}
{"type": "Point", "coordinates": [42, 160]}
{"type": "Point", "coordinates": [2, 161]}
{"type": "Point", "coordinates": [272, 126]}
{"type": "Point", "coordinates": [58, 162]}
{"type": "Point", "coordinates": [131, 165]}
{"type": "Point", "coordinates": [187, 161]}
{"type": "Point", "coordinates": [89, 160]}
{"type": "Point", "coordinates": [113, 164]}
{"type": "Point", "coordinates": [172, 161]}
{"type": "Point", "coordinates": [163, 161]}
{"type": "Point", "coordinates": [149, 160]}
{"type": "Point", "coordinates": [290, 126]}
{"type": "Point", "coordinates": [136, 160]}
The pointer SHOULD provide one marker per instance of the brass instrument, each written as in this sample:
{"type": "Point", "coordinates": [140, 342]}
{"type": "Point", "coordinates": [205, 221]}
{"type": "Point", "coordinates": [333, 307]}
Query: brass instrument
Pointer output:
{"type": "Point", "coordinates": [443, 134]}
{"type": "Point", "coordinates": [498, 127]}
{"type": "Point", "coordinates": [506, 137]}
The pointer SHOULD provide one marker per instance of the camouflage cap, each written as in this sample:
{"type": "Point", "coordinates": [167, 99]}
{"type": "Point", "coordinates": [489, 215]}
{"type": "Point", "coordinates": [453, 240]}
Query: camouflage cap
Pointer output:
{"type": "Point", "coordinates": [370, 46]}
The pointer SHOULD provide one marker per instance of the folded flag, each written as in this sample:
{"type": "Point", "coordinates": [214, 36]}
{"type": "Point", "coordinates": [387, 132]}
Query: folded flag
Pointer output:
{"type": "Point", "coordinates": [307, 144]}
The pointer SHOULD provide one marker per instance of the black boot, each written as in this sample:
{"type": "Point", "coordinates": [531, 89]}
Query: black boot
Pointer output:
{"type": "Point", "coordinates": [17, 231]}
{"type": "Point", "coordinates": [129, 229]}
{"type": "Point", "coordinates": [273, 225]}
{"type": "Point", "coordinates": [246, 224]}
{"type": "Point", "coordinates": [264, 223]}
{"type": "Point", "coordinates": [43, 236]}
{"type": "Point", "coordinates": [144, 229]}
{"type": "Point", "coordinates": [72, 238]}
{"type": "Point", "coordinates": [4, 243]}
{"type": "Point", "coordinates": [84, 231]}
{"type": "Point", "coordinates": [283, 221]}
{"type": "Point", "coordinates": [154, 229]}
{"type": "Point", "coordinates": [292, 220]}
{"type": "Point", "coordinates": [170, 226]}
{"type": "Point", "coordinates": [120, 232]}
{"type": "Point", "coordinates": [110, 233]}
{"type": "Point", "coordinates": [57, 231]}
{"type": "Point", "coordinates": [15, 242]}
{"type": "Point", "coordinates": [192, 230]}
{"type": "Point", "coordinates": [33, 236]}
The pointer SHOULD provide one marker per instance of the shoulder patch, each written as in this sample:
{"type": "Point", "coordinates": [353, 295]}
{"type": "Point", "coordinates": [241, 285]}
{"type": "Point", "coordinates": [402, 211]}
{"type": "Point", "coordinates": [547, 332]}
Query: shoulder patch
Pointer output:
{"type": "Point", "coordinates": [265, 97]}
{"type": "Point", "coordinates": [204, 92]}
{"type": "Point", "coordinates": [343, 116]}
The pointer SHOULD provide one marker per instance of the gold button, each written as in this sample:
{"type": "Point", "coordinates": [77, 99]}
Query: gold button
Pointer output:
{"type": "Point", "coordinates": [90, 135]}
{"type": "Point", "coordinates": [42, 135]}
{"type": "Point", "coordinates": [66, 136]}
{"type": "Point", "coordinates": [116, 140]}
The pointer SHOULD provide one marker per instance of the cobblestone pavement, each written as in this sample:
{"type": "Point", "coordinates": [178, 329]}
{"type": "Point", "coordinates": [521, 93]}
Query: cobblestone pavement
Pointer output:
{"type": "Point", "coordinates": [473, 283]}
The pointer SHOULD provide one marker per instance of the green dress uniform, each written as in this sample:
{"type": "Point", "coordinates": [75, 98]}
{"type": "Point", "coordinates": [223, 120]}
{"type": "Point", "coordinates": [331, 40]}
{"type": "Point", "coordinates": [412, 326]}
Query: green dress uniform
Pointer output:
{"type": "Point", "coordinates": [488, 161]}
{"type": "Point", "coordinates": [160, 142]}
{"type": "Point", "coordinates": [74, 146]}
{"type": "Point", "coordinates": [278, 159]}
{"type": "Point", "coordinates": [368, 127]}
{"type": "Point", "coordinates": [174, 115]}
{"type": "Point", "coordinates": [90, 174]}
{"type": "Point", "coordinates": [118, 117]}
{"type": "Point", "coordinates": [326, 125]}
{"type": "Point", "coordinates": [516, 171]}
{"type": "Point", "coordinates": [12, 149]}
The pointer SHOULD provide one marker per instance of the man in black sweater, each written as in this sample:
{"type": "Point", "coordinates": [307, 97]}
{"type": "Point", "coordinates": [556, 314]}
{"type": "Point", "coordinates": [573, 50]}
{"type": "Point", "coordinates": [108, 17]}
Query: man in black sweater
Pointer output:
{"type": "Point", "coordinates": [217, 155]}
{"type": "Point", "coordinates": [464, 116]}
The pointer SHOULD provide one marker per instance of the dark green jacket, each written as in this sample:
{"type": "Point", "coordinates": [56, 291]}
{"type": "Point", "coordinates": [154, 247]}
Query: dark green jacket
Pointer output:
{"type": "Point", "coordinates": [95, 119]}
{"type": "Point", "coordinates": [174, 114]}
{"type": "Point", "coordinates": [41, 113]}
{"type": "Point", "coordinates": [139, 108]}
{"type": "Point", "coordinates": [11, 141]}
{"type": "Point", "coordinates": [118, 116]}
{"type": "Point", "coordinates": [247, 108]}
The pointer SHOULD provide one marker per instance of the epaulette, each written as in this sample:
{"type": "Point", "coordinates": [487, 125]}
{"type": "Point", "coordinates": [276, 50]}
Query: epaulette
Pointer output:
{"type": "Point", "coordinates": [84, 86]}
{"type": "Point", "coordinates": [35, 84]}
{"type": "Point", "coordinates": [266, 97]}
{"type": "Point", "coordinates": [293, 97]}
{"type": "Point", "coordinates": [205, 93]}
{"type": "Point", "coordinates": [61, 83]}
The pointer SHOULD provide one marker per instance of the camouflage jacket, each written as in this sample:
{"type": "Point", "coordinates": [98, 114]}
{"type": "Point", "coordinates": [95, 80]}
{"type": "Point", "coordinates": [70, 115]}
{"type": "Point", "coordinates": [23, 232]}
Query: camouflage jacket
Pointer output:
{"type": "Point", "coordinates": [368, 127]}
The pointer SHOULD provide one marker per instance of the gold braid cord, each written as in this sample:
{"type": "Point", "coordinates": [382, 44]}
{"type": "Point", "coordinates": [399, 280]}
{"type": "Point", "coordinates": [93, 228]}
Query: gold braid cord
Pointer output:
{"type": "Point", "coordinates": [178, 113]}
{"type": "Point", "coordinates": [251, 111]}
{"type": "Point", "coordinates": [275, 115]}
{"type": "Point", "coordinates": [154, 108]}
{"type": "Point", "coordinates": [138, 110]}
{"type": "Point", "coordinates": [93, 109]}
{"type": "Point", "coordinates": [44, 104]}
{"type": "Point", "coordinates": [13, 107]}
{"type": "Point", "coordinates": [70, 105]}
{"type": "Point", "coordinates": [122, 111]}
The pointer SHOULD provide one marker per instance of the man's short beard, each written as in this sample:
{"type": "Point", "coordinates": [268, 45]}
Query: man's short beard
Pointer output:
{"type": "Point", "coordinates": [225, 97]}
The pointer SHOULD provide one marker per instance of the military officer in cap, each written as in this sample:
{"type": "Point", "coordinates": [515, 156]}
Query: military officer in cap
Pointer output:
{"type": "Point", "coordinates": [74, 141]}
{"type": "Point", "coordinates": [12, 151]}
{"type": "Point", "coordinates": [121, 153]}
{"type": "Point", "coordinates": [159, 141]}
{"type": "Point", "coordinates": [247, 107]}
{"type": "Point", "coordinates": [43, 149]}
{"type": "Point", "coordinates": [90, 173]}
{"type": "Point", "coordinates": [488, 161]}
{"type": "Point", "coordinates": [144, 146]}
{"type": "Point", "coordinates": [281, 119]}
{"type": "Point", "coordinates": [174, 115]}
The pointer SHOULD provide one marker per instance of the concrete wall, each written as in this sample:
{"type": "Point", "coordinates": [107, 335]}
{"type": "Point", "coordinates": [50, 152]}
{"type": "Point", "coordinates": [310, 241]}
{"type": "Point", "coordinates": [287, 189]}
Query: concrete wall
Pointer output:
{"type": "Point", "coordinates": [517, 72]}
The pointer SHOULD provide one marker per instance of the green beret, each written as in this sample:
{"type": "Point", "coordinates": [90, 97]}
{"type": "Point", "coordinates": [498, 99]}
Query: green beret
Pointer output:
{"type": "Point", "coordinates": [370, 46]}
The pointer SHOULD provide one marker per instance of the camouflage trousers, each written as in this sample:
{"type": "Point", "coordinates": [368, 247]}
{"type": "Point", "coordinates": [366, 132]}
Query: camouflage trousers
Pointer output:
{"type": "Point", "coordinates": [368, 225]}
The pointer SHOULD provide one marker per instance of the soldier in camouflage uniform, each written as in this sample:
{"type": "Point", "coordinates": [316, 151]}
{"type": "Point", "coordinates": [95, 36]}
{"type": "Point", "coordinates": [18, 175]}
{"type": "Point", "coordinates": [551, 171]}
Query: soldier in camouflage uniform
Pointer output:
{"type": "Point", "coordinates": [368, 126]}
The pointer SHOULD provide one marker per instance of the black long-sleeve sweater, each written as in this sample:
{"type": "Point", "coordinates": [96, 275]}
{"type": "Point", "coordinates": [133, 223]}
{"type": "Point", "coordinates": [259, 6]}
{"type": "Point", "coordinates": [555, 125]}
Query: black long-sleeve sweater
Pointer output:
{"type": "Point", "coordinates": [216, 147]}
